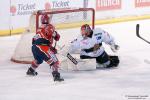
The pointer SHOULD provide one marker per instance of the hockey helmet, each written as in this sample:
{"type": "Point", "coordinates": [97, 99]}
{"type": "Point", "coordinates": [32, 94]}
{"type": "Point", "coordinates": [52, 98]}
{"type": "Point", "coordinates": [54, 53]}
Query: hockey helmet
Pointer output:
{"type": "Point", "coordinates": [85, 30]}
{"type": "Point", "coordinates": [49, 30]}
{"type": "Point", "coordinates": [45, 19]}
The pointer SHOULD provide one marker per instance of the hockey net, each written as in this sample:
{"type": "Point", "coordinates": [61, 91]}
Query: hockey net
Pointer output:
{"type": "Point", "coordinates": [67, 23]}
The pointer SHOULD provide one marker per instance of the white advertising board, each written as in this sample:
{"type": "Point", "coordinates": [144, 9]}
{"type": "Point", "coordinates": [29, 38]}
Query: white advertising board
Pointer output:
{"type": "Point", "coordinates": [4, 16]}
{"type": "Point", "coordinates": [106, 9]}
{"type": "Point", "coordinates": [24, 8]}
{"type": "Point", "coordinates": [17, 12]}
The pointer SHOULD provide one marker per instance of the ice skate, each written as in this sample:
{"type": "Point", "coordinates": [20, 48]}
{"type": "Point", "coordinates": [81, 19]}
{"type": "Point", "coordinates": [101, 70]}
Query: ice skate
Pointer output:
{"type": "Point", "coordinates": [31, 72]}
{"type": "Point", "coordinates": [56, 76]}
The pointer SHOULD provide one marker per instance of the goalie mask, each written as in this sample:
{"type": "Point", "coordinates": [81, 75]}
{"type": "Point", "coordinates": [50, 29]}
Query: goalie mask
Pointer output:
{"type": "Point", "coordinates": [85, 30]}
{"type": "Point", "coordinates": [45, 19]}
{"type": "Point", "coordinates": [49, 30]}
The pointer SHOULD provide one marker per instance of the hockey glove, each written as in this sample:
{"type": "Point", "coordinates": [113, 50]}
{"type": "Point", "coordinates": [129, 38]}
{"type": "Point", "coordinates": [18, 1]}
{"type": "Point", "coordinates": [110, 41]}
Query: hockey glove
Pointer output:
{"type": "Point", "coordinates": [114, 47]}
{"type": "Point", "coordinates": [54, 50]}
{"type": "Point", "coordinates": [56, 36]}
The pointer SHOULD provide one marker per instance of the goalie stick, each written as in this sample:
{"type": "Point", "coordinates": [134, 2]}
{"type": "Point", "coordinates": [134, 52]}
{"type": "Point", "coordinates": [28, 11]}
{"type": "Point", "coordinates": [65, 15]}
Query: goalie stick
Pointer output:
{"type": "Point", "coordinates": [72, 59]}
{"type": "Point", "coordinates": [138, 33]}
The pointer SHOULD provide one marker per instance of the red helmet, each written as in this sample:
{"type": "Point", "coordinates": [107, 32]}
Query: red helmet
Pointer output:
{"type": "Point", "coordinates": [48, 31]}
{"type": "Point", "coordinates": [45, 19]}
{"type": "Point", "coordinates": [85, 29]}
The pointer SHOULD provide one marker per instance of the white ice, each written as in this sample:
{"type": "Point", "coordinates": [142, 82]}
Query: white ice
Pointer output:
{"type": "Point", "coordinates": [131, 80]}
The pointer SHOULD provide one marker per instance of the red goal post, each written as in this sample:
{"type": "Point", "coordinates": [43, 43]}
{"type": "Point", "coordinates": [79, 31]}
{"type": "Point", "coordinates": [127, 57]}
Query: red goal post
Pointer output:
{"type": "Point", "coordinates": [66, 21]}
{"type": "Point", "coordinates": [82, 10]}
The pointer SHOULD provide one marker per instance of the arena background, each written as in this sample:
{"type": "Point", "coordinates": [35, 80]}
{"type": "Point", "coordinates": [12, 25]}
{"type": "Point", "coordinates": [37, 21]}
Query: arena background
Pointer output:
{"type": "Point", "coordinates": [15, 18]}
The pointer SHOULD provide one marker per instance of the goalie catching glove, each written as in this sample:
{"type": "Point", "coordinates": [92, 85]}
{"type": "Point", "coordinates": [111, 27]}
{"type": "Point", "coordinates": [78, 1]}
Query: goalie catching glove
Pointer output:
{"type": "Point", "coordinates": [114, 47]}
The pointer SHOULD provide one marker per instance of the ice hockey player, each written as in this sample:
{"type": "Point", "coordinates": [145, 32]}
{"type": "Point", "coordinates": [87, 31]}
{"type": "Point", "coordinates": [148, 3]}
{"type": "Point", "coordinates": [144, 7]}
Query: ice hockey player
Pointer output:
{"type": "Point", "coordinates": [43, 50]}
{"type": "Point", "coordinates": [90, 45]}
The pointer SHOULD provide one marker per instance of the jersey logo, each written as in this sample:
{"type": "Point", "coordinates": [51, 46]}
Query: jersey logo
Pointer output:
{"type": "Point", "coordinates": [98, 38]}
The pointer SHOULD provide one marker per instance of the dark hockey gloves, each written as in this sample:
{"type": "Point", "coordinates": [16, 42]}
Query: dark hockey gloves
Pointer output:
{"type": "Point", "coordinates": [56, 36]}
{"type": "Point", "coordinates": [53, 49]}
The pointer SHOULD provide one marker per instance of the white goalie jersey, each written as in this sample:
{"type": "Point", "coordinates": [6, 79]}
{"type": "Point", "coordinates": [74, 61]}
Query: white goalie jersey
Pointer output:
{"type": "Point", "coordinates": [86, 45]}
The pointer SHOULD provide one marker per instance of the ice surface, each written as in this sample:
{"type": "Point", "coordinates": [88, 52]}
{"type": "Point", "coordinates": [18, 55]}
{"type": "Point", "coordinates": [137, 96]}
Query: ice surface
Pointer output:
{"type": "Point", "coordinates": [131, 80]}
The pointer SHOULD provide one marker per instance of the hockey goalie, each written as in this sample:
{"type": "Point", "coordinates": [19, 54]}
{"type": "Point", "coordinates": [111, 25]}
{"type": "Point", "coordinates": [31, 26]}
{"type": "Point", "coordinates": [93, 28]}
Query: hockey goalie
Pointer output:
{"type": "Point", "coordinates": [89, 44]}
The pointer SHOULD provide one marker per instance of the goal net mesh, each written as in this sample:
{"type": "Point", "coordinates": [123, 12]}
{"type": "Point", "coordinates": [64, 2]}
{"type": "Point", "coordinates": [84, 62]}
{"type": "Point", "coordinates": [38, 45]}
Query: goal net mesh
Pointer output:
{"type": "Point", "coordinates": [67, 23]}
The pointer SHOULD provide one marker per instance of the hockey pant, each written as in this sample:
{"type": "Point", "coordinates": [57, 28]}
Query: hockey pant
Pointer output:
{"type": "Point", "coordinates": [43, 53]}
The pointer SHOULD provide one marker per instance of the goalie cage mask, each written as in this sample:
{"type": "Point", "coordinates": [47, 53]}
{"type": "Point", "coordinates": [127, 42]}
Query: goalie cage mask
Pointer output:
{"type": "Point", "coordinates": [85, 30]}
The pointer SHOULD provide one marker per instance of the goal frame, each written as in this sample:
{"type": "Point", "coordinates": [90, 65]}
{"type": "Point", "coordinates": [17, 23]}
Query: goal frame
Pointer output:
{"type": "Point", "coordinates": [56, 11]}
{"type": "Point", "coordinates": [42, 12]}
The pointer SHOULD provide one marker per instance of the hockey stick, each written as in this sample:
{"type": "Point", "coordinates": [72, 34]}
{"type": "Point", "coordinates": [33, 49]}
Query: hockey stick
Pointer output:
{"type": "Point", "coordinates": [138, 33]}
{"type": "Point", "coordinates": [72, 59]}
{"type": "Point", "coordinates": [69, 56]}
